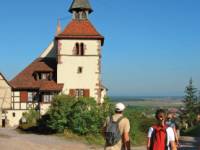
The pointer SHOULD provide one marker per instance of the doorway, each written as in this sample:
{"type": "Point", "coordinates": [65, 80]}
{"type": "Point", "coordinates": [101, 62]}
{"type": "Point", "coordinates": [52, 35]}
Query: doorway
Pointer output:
{"type": "Point", "coordinates": [3, 123]}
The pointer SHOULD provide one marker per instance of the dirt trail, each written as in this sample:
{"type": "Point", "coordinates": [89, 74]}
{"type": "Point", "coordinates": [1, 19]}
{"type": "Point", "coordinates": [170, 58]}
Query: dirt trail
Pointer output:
{"type": "Point", "coordinates": [10, 139]}
{"type": "Point", "coordinates": [190, 143]}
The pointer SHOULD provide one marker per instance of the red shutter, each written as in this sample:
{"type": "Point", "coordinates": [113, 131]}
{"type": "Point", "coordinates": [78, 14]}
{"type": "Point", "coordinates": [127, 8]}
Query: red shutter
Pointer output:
{"type": "Point", "coordinates": [24, 96]}
{"type": "Point", "coordinates": [86, 93]}
{"type": "Point", "coordinates": [72, 92]}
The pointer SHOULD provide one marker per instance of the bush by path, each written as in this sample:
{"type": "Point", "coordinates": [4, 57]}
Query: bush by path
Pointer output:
{"type": "Point", "coordinates": [83, 118]}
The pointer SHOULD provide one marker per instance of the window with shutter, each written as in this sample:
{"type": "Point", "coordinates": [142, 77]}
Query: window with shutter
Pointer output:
{"type": "Point", "coordinates": [86, 93]}
{"type": "Point", "coordinates": [79, 92]}
{"type": "Point", "coordinates": [23, 96]}
{"type": "Point", "coordinates": [72, 92]}
{"type": "Point", "coordinates": [48, 97]}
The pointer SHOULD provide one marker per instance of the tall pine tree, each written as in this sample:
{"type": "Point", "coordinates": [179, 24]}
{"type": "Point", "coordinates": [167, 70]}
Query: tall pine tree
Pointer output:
{"type": "Point", "coordinates": [191, 104]}
{"type": "Point", "coordinates": [198, 104]}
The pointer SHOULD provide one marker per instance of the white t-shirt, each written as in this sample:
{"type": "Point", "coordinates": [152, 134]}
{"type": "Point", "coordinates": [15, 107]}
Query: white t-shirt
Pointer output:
{"type": "Point", "coordinates": [170, 134]}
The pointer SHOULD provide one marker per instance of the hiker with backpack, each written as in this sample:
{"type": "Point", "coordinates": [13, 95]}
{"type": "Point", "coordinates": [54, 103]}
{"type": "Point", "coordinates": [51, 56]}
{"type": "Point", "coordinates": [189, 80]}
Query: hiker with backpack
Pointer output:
{"type": "Point", "coordinates": [170, 122]}
{"type": "Point", "coordinates": [116, 130]}
{"type": "Point", "coordinates": [161, 136]}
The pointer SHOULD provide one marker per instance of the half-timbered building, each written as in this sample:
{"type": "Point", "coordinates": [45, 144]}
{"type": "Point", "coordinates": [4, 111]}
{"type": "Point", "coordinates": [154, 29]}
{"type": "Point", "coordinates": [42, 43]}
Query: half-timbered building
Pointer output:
{"type": "Point", "coordinates": [70, 65]}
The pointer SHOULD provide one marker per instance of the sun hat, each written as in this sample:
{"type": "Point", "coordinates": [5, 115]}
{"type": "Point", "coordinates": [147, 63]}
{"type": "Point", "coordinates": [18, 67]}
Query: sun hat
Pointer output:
{"type": "Point", "coordinates": [120, 107]}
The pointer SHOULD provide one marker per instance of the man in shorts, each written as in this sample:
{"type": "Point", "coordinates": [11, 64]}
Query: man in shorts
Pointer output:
{"type": "Point", "coordinates": [124, 128]}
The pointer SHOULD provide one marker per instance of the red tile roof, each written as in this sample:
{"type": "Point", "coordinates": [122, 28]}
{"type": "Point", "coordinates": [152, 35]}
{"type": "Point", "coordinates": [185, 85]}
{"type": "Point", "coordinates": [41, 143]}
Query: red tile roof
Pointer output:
{"type": "Point", "coordinates": [25, 79]}
{"type": "Point", "coordinates": [80, 29]}
{"type": "Point", "coordinates": [50, 86]}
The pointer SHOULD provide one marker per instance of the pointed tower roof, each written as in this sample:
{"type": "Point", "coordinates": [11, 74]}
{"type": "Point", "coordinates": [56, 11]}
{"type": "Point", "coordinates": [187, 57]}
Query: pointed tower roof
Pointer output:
{"type": "Point", "coordinates": [59, 28]}
{"type": "Point", "coordinates": [80, 29]}
{"type": "Point", "coordinates": [80, 5]}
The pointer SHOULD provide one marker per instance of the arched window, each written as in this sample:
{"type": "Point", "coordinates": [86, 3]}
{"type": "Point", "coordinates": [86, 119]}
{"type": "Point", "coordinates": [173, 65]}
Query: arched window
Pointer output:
{"type": "Point", "coordinates": [82, 49]}
{"type": "Point", "coordinates": [77, 15]}
{"type": "Point", "coordinates": [77, 49]}
{"type": "Point", "coordinates": [84, 15]}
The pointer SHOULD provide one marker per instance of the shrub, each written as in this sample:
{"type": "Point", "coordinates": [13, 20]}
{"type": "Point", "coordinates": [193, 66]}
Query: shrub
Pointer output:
{"type": "Point", "coordinates": [31, 119]}
{"type": "Point", "coordinates": [59, 110]}
{"type": "Point", "coordinates": [81, 115]}
{"type": "Point", "coordinates": [86, 117]}
{"type": "Point", "coordinates": [43, 127]}
{"type": "Point", "coordinates": [194, 131]}
{"type": "Point", "coordinates": [139, 124]}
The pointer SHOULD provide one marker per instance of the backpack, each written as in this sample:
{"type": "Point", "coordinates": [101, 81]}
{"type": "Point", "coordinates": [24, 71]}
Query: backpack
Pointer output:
{"type": "Point", "coordinates": [159, 138]}
{"type": "Point", "coordinates": [112, 133]}
{"type": "Point", "coordinates": [171, 123]}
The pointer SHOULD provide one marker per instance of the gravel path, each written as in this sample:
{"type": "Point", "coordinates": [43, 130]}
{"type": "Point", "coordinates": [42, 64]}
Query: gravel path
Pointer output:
{"type": "Point", "coordinates": [10, 139]}
{"type": "Point", "coordinates": [190, 143]}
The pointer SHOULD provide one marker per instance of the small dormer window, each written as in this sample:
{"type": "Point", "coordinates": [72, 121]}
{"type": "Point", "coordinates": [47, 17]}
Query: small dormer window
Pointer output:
{"type": "Point", "coordinates": [43, 76]}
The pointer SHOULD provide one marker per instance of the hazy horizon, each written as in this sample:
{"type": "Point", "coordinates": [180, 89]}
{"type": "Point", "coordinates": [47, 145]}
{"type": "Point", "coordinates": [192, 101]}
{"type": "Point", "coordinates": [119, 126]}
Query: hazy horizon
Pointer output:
{"type": "Point", "coordinates": [151, 47]}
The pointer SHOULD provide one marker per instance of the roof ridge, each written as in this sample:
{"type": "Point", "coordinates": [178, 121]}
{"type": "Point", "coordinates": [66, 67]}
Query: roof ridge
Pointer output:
{"type": "Point", "coordinates": [23, 70]}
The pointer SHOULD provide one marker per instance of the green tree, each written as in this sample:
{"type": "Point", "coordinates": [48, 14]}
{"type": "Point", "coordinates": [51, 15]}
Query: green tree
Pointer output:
{"type": "Point", "coordinates": [87, 117]}
{"type": "Point", "coordinates": [190, 103]}
{"type": "Point", "coordinates": [31, 117]}
{"type": "Point", "coordinates": [198, 103]}
{"type": "Point", "coordinates": [81, 115]}
{"type": "Point", "coordinates": [58, 112]}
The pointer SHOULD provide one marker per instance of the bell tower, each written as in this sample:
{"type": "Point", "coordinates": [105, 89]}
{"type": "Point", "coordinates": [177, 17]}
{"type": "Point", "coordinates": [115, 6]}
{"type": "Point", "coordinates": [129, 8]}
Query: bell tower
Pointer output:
{"type": "Point", "coordinates": [80, 9]}
{"type": "Point", "coordinates": [79, 54]}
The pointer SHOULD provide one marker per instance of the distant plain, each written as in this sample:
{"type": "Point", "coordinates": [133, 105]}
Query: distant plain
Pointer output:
{"type": "Point", "coordinates": [165, 101]}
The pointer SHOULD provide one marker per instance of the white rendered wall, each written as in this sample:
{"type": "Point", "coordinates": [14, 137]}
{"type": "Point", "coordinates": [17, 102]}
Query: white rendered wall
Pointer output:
{"type": "Point", "coordinates": [44, 108]}
{"type": "Point", "coordinates": [67, 69]}
{"type": "Point", "coordinates": [5, 94]}
{"type": "Point", "coordinates": [103, 95]}
{"type": "Point", "coordinates": [14, 121]}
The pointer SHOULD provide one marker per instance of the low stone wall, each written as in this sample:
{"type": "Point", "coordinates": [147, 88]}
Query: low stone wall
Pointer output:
{"type": "Point", "coordinates": [13, 117]}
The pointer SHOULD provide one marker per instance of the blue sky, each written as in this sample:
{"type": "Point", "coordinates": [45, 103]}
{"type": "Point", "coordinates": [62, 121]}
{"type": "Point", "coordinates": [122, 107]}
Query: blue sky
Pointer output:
{"type": "Point", "coordinates": [152, 47]}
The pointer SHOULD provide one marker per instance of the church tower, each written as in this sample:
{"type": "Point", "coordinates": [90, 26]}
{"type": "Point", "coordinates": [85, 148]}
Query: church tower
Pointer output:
{"type": "Point", "coordinates": [79, 54]}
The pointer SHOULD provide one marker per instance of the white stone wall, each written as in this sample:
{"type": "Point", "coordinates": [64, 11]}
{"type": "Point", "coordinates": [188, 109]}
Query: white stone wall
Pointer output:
{"type": "Point", "coordinates": [13, 121]}
{"type": "Point", "coordinates": [44, 108]}
{"type": "Point", "coordinates": [103, 94]}
{"type": "Point", "coordinates": [5, 94]}
{"type": "Point", "coordinates": [16, 96]}
{"type": "Point", "coordinates": [67, 69]}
